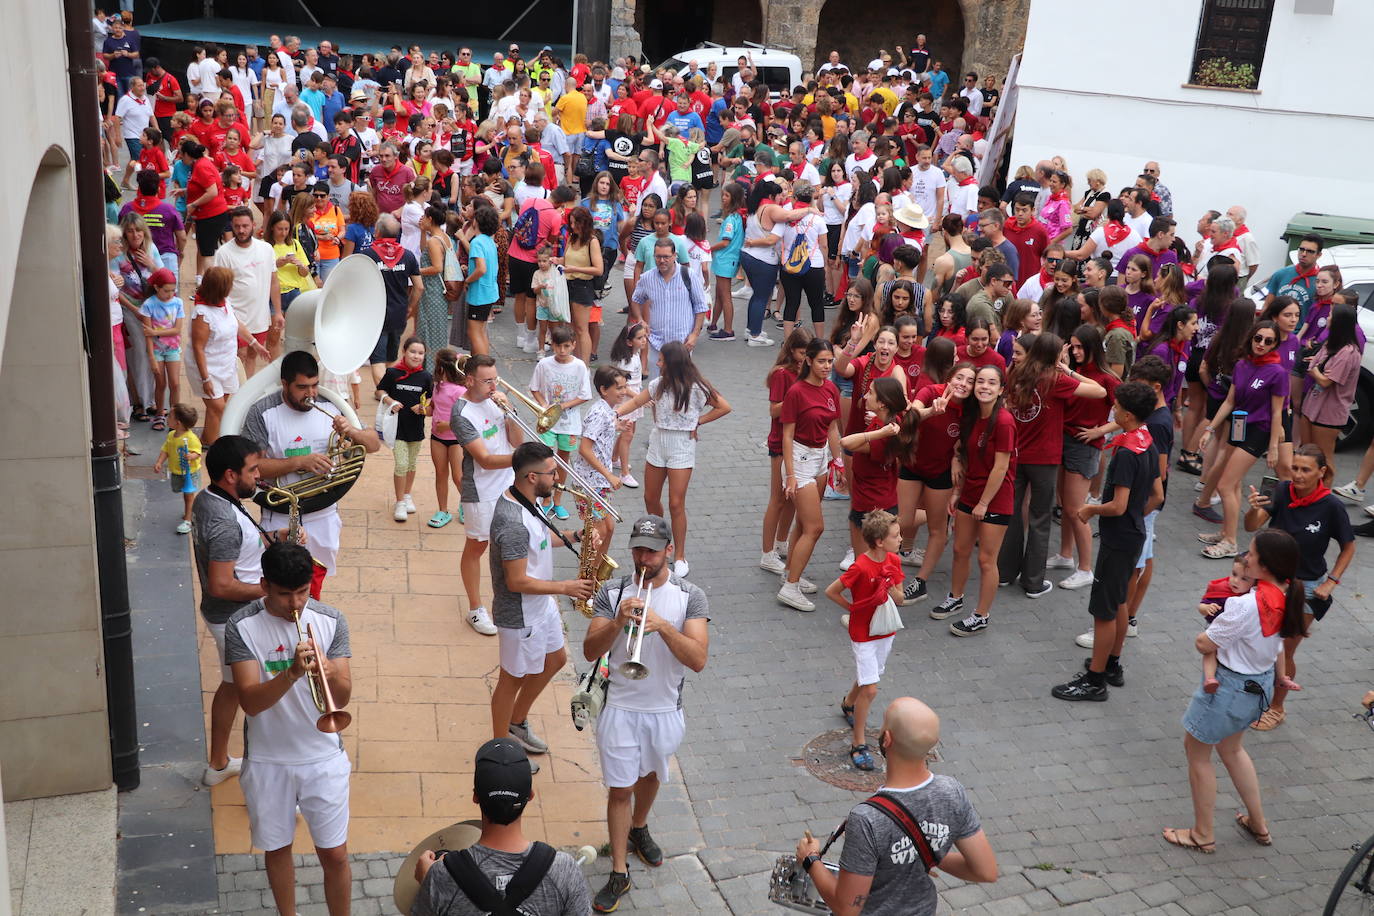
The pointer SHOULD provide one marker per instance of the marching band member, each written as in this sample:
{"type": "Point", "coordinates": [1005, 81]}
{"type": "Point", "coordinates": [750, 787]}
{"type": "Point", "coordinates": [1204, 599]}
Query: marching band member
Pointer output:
{"type": "Point", "coordinates": [289, 762]}
{"type": "Point", "coordinates": [295, 439]}
{"type": "Point", "coordinates": [642, 724]}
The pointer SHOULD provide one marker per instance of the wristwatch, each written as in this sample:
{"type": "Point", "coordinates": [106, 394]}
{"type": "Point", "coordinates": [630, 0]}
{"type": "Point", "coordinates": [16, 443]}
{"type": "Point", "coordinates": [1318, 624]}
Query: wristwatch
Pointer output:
{"type": "Point", "coordinates": [809, 861]}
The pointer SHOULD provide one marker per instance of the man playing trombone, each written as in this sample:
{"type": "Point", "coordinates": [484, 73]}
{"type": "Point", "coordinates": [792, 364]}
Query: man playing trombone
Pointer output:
{"type": "Point", "coordinates": [642, 723]}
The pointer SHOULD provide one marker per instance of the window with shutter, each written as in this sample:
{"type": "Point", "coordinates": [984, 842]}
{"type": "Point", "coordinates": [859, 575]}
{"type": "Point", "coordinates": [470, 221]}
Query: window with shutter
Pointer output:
{"type": "Point", "coordinates": [1231, 40]}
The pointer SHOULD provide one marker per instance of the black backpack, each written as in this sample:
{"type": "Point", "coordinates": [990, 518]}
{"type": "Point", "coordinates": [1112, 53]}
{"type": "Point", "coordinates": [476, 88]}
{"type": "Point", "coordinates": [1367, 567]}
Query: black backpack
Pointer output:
{"type": "Point", "coordinates": [474, 883]}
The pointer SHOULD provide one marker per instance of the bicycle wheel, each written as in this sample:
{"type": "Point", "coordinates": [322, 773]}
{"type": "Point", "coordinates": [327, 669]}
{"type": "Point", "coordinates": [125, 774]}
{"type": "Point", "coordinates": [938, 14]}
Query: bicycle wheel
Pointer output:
{"type": "Point", "coordinates": [1354, 890]}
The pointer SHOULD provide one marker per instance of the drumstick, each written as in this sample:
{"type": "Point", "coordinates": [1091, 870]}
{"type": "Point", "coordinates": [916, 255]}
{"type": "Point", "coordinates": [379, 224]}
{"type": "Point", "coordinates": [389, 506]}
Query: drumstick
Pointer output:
{"type": "Point", "coordinates": [807, 834]}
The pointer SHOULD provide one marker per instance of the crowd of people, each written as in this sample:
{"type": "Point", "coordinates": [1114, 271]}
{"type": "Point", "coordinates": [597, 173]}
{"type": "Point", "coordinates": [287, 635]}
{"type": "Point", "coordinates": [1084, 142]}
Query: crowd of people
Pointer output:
{"type": "Point", "coordinates": [977, 362]}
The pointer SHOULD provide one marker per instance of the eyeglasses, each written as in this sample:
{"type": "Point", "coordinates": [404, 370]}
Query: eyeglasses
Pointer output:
{"type": "Point", "coordinates": [1309, 251]}
{"type": "Point", "coordinates": [1261, 339]}
{"type": "Point", "coordinates": [1054, 262]}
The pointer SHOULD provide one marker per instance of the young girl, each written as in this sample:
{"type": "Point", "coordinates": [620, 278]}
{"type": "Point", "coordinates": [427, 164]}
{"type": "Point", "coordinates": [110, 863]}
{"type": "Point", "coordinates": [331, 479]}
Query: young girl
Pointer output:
{"type": "Point", "coordinates": [1170, 292]}
{"type": "Point", "coordinates": [986, 466]}
{"type": "Point", "coordinates": [541, 284]}
{"type": "Point", "coordinates": [1174, 344]}
{"type": "Point", "coordinates": [949, 319]}
{"type": "Point", "coordinates": [154, 157]}
{"type": "Point", "coordinates": [404, 387]}
{"type": "Point", "coordinates": [1085, 422]}
{"type": "Point", "coordinates": [416, 195]}
{"type": "Point", "coordinates": [1019, 317]}
{"type": "Point", "coordinates": [235, 194]}
{"type": "Point", "coordinates": [873, 460]}
{"type": "Point", "coordinates": [862, 371]}
{"type": "Point", "coordinates": [725, 260]}
{"type": "Point", "coordinates": [163, 315]}
{"type": "Point", "coordinates": [911, 356]}
{"type": "Point", "coordinates": [632, 232]}
{"type": "Point", "coordinates": [628, 354]}
{"type": "Point", "coordinates": [777, 518]}
{"type": "Point", "coordinates": [856, 325]}
{"type": "Point", "coordinates": [810, 422]}
{"type": "Point", "coordinates": [1327, 284]}
{"type": "Point", "coordinates": [1218, 363]}
{"type": "Point", "coordinates": [562, 379]}
{"type": "Point", "coordinates": [900, 300]}
{"type": "Point", "coordinates": [1138, 287]}
{"type": "Point", "coordinates": [977, 350]}
{"type": "Point", "coordinates": [180, 454]}
{"type": "Point", "coordinates": [699, 250]}
{"type": "Point", "coordinates": [1118, 341]}
{"type": "Point", "coordinates": [444, 449]}
{"type": "Point", "coordinates": [681, 397]}
{"type": "Point", "coordinates": [594, 449]}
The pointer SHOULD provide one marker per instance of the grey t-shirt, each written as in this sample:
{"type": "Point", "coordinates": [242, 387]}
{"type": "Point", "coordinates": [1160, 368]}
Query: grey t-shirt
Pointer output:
{"type": "Point", "coordinates": [218, 536]}
{"type": "Point", "coordinates": [464, 431]}
{"type": "Point", "coordinates": [563, 892]}
{"type": "Point", "coordinates": [516, 534]}
{"type": "Point", "coordinates": [875, 845]}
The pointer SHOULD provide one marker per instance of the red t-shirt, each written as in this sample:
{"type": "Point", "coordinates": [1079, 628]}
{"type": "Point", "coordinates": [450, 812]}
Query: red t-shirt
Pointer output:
{"type": "Point", "coordinates": [875, 473]}
{"type": "Point", "coordinates": [1083, 413]}
{"type": "Point", "coordinates": [863, 380]}
{"type": "Point", "coordinates": [240, 159]}
{"type": "Point", "coordinates": [155, 159]}
{"type": "Point", "coordinates": [958, 335]}
{"type": "Point", "coordinates": [203, 177]}
{"type": "Point", "coordinates": [630, 189]}
{"type": "Point", "coordinates": [235, 197]}
{"type": "Point", "coordinates": [989, 357]}
{"type": "Point", "coordinates": [167, 85]}
{"type": "Point", "coordinates": [869, 585]}
{"type": "Point", "coordinates": [620, 107]}
{"type": "Point", "coordinates": [203, 132]}
{"type": "Point", "coordinates": [937, 435]}
{"type": "Point", "coordinates": [1030, 243]}
{"type": "Point", "coordinates": [812, 408]}
{"type": "Point", "coordinates": [982, 453]}
{"type": "Point", "coordinates": [217, 132]}
{"type": "Point", "coordinates": [779, 383]}
{"type": "Point", "coordinates": [911, 365]}
{"type": "Point", "coordinates": [1040, 424]}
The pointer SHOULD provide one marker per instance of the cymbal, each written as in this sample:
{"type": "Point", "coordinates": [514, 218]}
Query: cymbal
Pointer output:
{"type": "Point", "coordinates": [453, 837]}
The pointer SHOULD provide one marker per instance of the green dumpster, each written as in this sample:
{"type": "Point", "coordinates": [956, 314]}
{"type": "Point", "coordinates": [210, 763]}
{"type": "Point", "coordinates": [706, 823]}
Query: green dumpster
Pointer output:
{"type": "Point", "coordinates": [1334, 230]}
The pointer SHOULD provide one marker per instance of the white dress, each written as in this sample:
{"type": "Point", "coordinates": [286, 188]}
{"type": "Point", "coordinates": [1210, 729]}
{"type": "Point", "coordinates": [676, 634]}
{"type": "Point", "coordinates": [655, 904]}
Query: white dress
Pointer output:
{"type": "Point", "coordinates": [221, 351]}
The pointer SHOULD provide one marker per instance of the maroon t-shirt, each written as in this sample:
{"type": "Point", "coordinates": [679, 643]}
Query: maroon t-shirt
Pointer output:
{"type": "Point", "coordinates": [989, 357]}
{"type": "Point", "coordinates": [1030, 243]}
{"type": "Point", "coordinates": [937, 435]}
{"type": "Point", "coordinates": [812, 408]}
{"type": "Point", "coordinates": [1085, 413]}
{"type": "Point", "coordinates": [779, 383]}
{"type": "Point", "coordinates": [863, 380]}
{"type": "Point", "coordinates": [1040, 424]}
{"type": "Point", "coordinates": [875, 473]}
{"type": "Point", "coordinates": [911, 365]}
{"type": "Point", "coordinates": [982, 454]}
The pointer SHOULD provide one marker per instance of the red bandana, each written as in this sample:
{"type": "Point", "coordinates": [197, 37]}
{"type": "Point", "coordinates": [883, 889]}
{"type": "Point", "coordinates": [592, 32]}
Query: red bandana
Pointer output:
{"type": "Point", "coordinates": [1272, 604]}
{"type": "Point", "coordinates": [1295, 501]}
{"type": "Point", "coordinates": [1115, 232]}
{"type": "Point", "coordinates": [1300, 274]}
{"type": "Point", "coordinates": [389, 251]}
{"type": "Point", "coordinates": [1230, 243]}
{"type": "Point", "coordinates": [1241, 230]}
{"type": "Point", "coordinates": [406, 371]}
{"type": "Point", "coordinates": [1137, 441]}
{"type": "Point", "coordinates": [1060, 195]}
{"type": "Point", "coordinates": [968, 181]}
{"type": "Point", "coordinates": [1267, 359]}
{"type": "Point", "coordinates": [1120, 323]}
{"type": "Point", "coordinates": [1046, 275]}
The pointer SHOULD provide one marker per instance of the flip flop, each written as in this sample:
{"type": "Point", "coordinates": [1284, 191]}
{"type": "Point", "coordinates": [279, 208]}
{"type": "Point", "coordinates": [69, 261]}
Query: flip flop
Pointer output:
{"type": "Point", "coordinates": [1243, 822]}
{"type": "Point", "coordinates": [1183, 836]}
{"type": "Point", "coordinates": [159, 423]}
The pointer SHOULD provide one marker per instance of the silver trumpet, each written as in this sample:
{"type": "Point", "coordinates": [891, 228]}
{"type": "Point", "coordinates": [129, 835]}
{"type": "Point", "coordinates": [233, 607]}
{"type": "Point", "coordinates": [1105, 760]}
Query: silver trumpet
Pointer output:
{"type": "Point", "coordinates": [633, 668]}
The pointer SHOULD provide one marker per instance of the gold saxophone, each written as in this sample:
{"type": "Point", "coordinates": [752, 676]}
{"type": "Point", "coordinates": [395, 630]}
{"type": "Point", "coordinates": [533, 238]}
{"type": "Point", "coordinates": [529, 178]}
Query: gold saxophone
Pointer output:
{"type": "Point", "coordinates": [594, 564]}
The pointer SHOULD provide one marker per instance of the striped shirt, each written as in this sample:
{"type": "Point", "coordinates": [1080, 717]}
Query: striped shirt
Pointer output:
{"type": "Point", "coordinates": [673, 307]}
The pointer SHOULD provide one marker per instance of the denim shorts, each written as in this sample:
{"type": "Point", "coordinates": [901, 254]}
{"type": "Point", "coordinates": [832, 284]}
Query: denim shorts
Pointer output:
{"type": "Point", "coordinates": [1213, 716]}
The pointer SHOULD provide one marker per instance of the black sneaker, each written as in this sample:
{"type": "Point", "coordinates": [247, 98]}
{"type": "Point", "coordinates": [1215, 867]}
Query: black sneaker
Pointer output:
{"type": "Point", "coordinates": [1045, 587]}
{"type": "Point", "coordinates": [970, 625]}
{"type": "Point", "coordinates": [1080, 687]}
{"type": "Point", "coordinates": [947, 608]}
{"type": "Point", "coordinates": [1116, 675]}
{"type": "Point", "coordinates": [645, 847]}
{"type": "Point", "coordinates": [608, 898]}
{"type": "Point", "coordinates": [914, 591]}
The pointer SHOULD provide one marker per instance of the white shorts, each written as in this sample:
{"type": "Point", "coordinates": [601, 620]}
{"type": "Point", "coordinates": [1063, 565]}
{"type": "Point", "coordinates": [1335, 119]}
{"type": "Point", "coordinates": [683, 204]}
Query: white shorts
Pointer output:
{"type": "Point", "coordinates": [273, 790]}
{"type": "Point", "coordinates": [323, 531]}
{"type": "Point", "coordinates": [671, 448]}
{"type": "Point", "coordinates": [807, 463]}
{"type": "Point", "coordinates": [217, 631]}
{"type": "Point", "coordinates": [463, 167]}
{"type": "Point", "coordinates": [1147, 552]}
{"type": "Point", "coordinates": [634, 744]}
{"type": "Point", "coordinates": [870, 658]}
{"type": "Point", "coordinates": [523, 650]}
{"type": "Point", "coordinates": [477, 520]}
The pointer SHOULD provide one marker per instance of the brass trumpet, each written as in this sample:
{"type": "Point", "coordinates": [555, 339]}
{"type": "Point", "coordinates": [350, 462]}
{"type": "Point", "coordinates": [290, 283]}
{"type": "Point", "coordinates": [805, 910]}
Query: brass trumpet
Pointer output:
{"type": "Point", "coordinates": [544, 417]}
{"type": "Point", "coordinates": [332, 718]}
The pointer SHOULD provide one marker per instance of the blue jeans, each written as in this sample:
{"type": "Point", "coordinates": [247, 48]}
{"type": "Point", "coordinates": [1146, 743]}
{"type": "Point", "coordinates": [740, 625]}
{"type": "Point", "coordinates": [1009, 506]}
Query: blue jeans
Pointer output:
{"type": "Point", "coordinates": [169, 261]}
{"type": "Point", "coordinates": [762, 278]}
{"type": "Point", "coordinates": [326, 265]}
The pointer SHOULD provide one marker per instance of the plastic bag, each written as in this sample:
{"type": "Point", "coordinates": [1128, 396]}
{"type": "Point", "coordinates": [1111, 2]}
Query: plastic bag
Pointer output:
{"type": "Point", "coordinates": [385, 424]}
{"type": "Point", "coordinates": [559, 309]}
{"type": "Point", "coordinates": [886, 620]}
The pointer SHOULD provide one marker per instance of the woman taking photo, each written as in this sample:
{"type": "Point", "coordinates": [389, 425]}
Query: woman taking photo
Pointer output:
{"type": "Point", "coordinates": [777, 518]}
{"type": "Point", "coordinates": [583, 267]}
{"type": "Point", "coordinates": [1332, 375]}
{"type": "Point", "coordinates": [1246, 638]}
{"type": "Point", "coordinates": [683, 402]}
{"type": "Point", "coordinates": [985, 466]}
{"type": "Point", "coordinates": [1258, 395]}
{"type": "Point", "coordinates": [212, 369]}
{"type": "Point", "coordinates": [1307, 510]}
{"type": "Point", "coordinates": [810, 424]}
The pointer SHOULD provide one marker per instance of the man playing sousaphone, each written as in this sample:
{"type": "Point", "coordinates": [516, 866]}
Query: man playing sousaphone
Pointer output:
{"type": "Point", "coordinates": [294, 427]}
{"type": "Point", "coordinates": [892, 841]}
{"type": "Point", "coordinates": [642, 724]}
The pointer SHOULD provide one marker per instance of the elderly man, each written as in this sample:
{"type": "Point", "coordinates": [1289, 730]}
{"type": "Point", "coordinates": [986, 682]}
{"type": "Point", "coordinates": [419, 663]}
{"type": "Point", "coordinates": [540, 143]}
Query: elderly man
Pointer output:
{"type": "Point", "coordinates": [962, 190]}
{"type": "Point", "coordinates": [287, 99]}
{"type": "Point", "coordinates": [1249, 245]}
{"type": "Point", "coordinates": [671, 300]}
{"type": "Point", "coordinates": [1166, 197]}
{"type": "Point", "coordinates": [1204, 231]}
{"type": "Point", "coordinates": [554, 141]}
{"type": "Point", "coordinates": [1222, 240]}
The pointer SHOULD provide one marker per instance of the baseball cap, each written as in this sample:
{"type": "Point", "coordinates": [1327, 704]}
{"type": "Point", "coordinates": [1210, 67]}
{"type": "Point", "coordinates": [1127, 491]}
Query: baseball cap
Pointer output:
{"type": "Point", "coordinates": [502, 780]}
{"type": "Point", "coordinates": [656, 84]}
{"type": "Point", "coordinates": [893, 71]}
{"type": "Point", "coordinates": [651, 531]}
{"type": "Point", "coordinates": [161, 277]}
{"type": "Point", "coordinates": [618, 73]}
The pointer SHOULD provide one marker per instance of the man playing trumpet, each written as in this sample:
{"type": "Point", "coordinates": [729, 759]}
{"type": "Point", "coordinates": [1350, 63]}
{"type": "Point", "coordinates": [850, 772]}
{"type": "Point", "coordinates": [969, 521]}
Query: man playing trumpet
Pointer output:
{"type": "Point", "coordinates": [642, 723]}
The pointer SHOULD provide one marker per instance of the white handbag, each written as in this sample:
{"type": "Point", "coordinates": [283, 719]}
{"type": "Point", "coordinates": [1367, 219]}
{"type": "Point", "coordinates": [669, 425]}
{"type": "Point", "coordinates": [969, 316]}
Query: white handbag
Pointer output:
{"type": "Point", "coordinates": [886, 620]}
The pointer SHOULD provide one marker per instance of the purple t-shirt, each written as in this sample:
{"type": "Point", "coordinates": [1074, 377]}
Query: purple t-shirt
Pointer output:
{"type": "Point", "coordinates": [1157, 258]}
{"type": "Point", "coordinates": [1255, 385]}
{"type": "Point", "coordinates": [163, 224]}
{"type": "Point", "coordinates": [1140, 304]}
{"type": "Point", "coordinates": [1178, 363]}
{"type": "Point", "coordinates": [1317, 319]}
{"type": "Point", "coordinates": [1288, 352]}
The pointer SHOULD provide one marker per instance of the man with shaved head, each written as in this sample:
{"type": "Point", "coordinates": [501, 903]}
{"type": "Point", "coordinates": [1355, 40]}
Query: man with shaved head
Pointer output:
{"type": "Point", "coordinates": [884, 870]}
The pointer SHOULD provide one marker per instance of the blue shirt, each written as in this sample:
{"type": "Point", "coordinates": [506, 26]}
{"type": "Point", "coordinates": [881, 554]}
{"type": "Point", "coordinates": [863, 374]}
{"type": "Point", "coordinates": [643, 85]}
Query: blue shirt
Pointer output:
{"type": "Point", "coordinates": [1285, 282]}
{"type": "Point", "coordinates": [360, 236]}
{"type": "Point", "coordinates": [333, 104]}
{"type": "Point", "coordinates": [315, 99]}
{"type": "Point", "coordinates": [672, 306]}
{"type": "Point", "coordinates": [685, 122]}
{"type": "Point", "coordinates": [725, 262]}
{"type": "Point", "coordinates": [483, 290]}
{"type": "Point", "coordinates": [714, 129]}
{"type": "Point", "coordinates": [939, 82]}
{"type": "Point", "coordinates": [257, 65]}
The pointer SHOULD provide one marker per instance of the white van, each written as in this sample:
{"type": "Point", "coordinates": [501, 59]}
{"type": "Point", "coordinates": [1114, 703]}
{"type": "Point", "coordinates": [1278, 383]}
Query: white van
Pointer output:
{"type": "Point", "coordinates": [780, 70]}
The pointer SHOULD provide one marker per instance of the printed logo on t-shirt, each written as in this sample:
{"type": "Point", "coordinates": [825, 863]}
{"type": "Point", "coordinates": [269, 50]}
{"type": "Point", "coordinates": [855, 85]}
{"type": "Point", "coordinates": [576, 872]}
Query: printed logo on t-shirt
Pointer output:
{"type": "Point", "coordinates": [1257, 384]}
{"type": "Point", "coordinates": [829, 403]}
{"type": "Point", "coordinates": [952, 430]}
{"type": "Point", "coordinates": [489, 430]}
{"type": "Point", "coordinates": [1032, 410]}
{"type": "Point", "coordinates": [277, 660]}
{"type": "Point", "coordinates": [1314, 528]}
{"type": "Point", "coordinates": [297, 448]}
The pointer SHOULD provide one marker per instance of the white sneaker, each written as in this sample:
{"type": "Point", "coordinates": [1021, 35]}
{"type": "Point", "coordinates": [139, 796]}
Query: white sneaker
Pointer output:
{"type": "Point", "coordinates": [400, 514]}
{"type": "Point", "coordinates": [681, 569]}
{"type": "Point", "coordinates": [1085, 640]}
{"type": "Point", "coordinates": [844, 621]}
{"type": "Point", "coordinates": [1198, 487]}
{"type": "Point", "coordinates": [215, 777]}
{"type": "Point", "coordinates": [771, 562]}
{"type": "Point", "coordinates": [480, 619]}
{"type": "Point", "coordinates": [520, 337]}
{"type": "Point", "coordinates": [848, 560]}
{"type": "Point", "coordinates": [410, 504]}
{"type": "Point", "coordinates": [1350, 492]}
{"type": "Point", "coordinates": [914, 557]}
{"type": "Point", "coordinates": [1131, 628]}
{"type": "Point", "coordinates": [780, 548]}
{"type": "Point", "coordinates": [763, 340]}
{"type": "Point", "coordinates": [627, 479]}
{"type": "Point", "coordinates": [791, 595]}
{"type": "Point", "coordinates": [806, 585]}
{"type": "Point", "coordinates": [1080, 578]}
{"type": "Point", "coordinates": [531, 345]}
{"type": "Point", "coordinates": [744, 289]}
{"type": "Point", "coordinates": [1059, 562]}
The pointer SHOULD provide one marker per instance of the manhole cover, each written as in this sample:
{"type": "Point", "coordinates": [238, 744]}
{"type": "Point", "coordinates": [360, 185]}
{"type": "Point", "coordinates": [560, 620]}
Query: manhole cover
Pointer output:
{"type": "Point", "coordinates": [826, 757]}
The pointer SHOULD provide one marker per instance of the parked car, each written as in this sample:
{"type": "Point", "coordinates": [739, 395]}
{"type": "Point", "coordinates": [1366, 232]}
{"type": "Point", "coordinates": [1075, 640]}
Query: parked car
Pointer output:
{"type": "Point", "coordinates": [781, 70]}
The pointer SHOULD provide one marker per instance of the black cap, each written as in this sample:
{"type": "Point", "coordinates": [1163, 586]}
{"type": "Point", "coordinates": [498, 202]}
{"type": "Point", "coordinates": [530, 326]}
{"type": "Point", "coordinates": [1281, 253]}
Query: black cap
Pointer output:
{"type": "Point", "coordinates": [651, 531]}
{"type": "Point", "coordinates": [502, 780]}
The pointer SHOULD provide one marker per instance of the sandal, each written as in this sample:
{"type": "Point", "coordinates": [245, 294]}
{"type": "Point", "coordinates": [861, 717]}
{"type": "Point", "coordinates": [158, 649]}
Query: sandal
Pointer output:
{"type": "Point", "coordinates": [160, 422]}
{"type": "Point", "coordinates": [848, 713]}
{"type": "Point", "coordinates": [1183, 836]}
{"type": "Point", "coordinates": [1190, 463]}
{"type": "Point", "coordinates": [861, 758]}
{"type": "Point", "coordinates": [1221, 550]}
{"type": "Point", "coordinates": [440, 519]}
{"type": "Point", "coordinates": [1210, 538]}
{"type": "Point", "coordinates": [139, 414]}
{"type": "Point", "coordinates": [1273, 717]}
{"type": "Point", "coordinates": [1243, 822]}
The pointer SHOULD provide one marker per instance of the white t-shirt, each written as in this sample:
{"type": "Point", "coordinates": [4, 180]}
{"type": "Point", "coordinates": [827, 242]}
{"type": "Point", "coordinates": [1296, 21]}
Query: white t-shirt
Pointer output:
{"type": "Point", "coordinates": [285, 732]}
{"type": "Point", "coordinates": [1141, 223]}
{"type": "Point", "coordinates": [253, 267]}
{"type": "Point", "coordinates": [961, 200]}
{"type": "Point", "coordinates": [1114, 252]}
{"type": "Point", "coordinates": [925, 183]}
{"type": "Point", "coordinates": [134, 115]}
{"type": "Point", "coordinates": [245, 80]}
{"type": "Point", "coordinates": [1032, 289]}
{"type": "Point", "coordinates": [853, 162]}
{"type": "Point", "coordinates": [676, 602]}
{"type": "Point", "coordinates": [482, 420]}
{"type": "Point", "coordinates": [209, 75]}
{"type": "Point", "coordinates": [516, 533]}
{"type": "Point", "coordinates": [861, 226]}
{"type": "Point", "coordinates": [813, 228]}
{"type": "Point", "coordinates": [1241, 643]}
{"type": "Point", "coordinates": [975, 100]}
{"type": "Point", "coordinates": [837, 203]}
{"type": "Point", "coordinates": [559, 382]}
{"type": "Point", "coordinates": [279, 78]}
{"type": "Point", "coordinates": [525, 191]}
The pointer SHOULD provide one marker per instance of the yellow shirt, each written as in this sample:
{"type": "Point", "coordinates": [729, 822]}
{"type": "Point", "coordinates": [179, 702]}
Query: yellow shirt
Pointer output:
{"type": "Point", "coordinates": [288, 277]}
{"type": "Point", "coordinates": [172, 448]}
{"type": "Point", "coordinates": [889, 98]}
{"type": "Point", "coordinates": [572, 113]}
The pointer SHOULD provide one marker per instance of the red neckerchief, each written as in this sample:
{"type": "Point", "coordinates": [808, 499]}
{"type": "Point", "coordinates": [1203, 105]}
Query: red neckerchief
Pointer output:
{"type": "Point", "coordinates": [1046, 275]}
{"type": "Point", "coordinates": [1229, 244]}
{"type": "Point", "coordinates": [1241, 230]}
{"type": "Point", "coordinates": [1267, 359]}
{"type": "Point", "coordinates": [405, 371]}
{"type": "Point", "coordinates": [1060, 195]}
{"type": "Point", "coordinates": [1301, 275]}
{"type": "Point", "coordinates": [1178, 346]}
{"type": "Point", "coordinates": [968, 181]}
{"type": "Point", "coordinates": [148, 204]}
{"type": "Point", "coordinates": [1137, 441]}
{"type": "Point", "coordinates": [1272, 603]}
{"type": "Point", "coordinates": [213, 305]}
{"type": "Point", "coordinates": [1115, 233]}
{"type": "Point", "coordinates": [1120, 323]}
{"type": "Point", "coordinates": [1318, 492]}
{"type": "Point", "coordinates": [388, 251]}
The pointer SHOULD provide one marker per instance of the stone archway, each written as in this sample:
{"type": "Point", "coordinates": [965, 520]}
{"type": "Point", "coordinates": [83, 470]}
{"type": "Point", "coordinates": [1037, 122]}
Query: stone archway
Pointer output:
{"type": "Point", "coordinates": [667, 27]}
{"type": "Point", "coordinates": [857, 37]}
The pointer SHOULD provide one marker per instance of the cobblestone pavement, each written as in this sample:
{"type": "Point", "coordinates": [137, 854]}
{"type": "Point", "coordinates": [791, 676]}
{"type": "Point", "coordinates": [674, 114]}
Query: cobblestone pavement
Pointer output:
{"type": "Point", "coordinates": [1072, 796]}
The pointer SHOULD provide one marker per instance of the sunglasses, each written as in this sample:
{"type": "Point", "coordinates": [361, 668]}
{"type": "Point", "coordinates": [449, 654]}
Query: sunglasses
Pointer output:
{"type": "Point", "coordinates": [1261, 339]}
{"type": "Point", "coordinates": [1055, 262]}
{"type": "Point", "coordinates": [1308, 251]}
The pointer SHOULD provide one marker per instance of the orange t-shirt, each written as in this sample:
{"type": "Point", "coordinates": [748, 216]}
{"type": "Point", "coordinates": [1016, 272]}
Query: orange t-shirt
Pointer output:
{"type": "Point", "coordinates": [331, 221]}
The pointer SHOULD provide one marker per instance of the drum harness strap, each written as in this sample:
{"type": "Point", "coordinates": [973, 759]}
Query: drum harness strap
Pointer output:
{"type": "Point", "coordinates": [474, 883]}
{"type": "Point", "coordinates": [903, 819]}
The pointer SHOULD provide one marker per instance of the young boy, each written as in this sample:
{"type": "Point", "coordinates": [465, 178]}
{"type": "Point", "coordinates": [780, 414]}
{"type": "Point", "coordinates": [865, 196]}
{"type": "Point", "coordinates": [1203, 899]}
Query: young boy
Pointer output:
{"type": "Point", "coordinates": [875, 577]}
{"type": "Point", "coordinates": [1213, 603]}
{"type": "Point", "coordinates": [162, 315]}
{"type": "Point", "coordinates": [541, 284]}
{"type": "Point", "coordinates": [562, 379]}
{"type": "Point", "coordinates": [1135, 486]}
{"type": "Point", "coordinates": [181, 456]}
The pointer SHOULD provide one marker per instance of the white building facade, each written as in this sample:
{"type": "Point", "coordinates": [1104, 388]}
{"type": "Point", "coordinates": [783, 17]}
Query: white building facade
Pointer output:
{"type": "Point", "coordinates": [1115, 85]}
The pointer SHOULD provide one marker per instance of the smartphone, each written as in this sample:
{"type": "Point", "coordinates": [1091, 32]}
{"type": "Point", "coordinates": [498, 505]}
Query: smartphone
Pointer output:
{"type": "Point", "coordinates": [1268, 484]}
